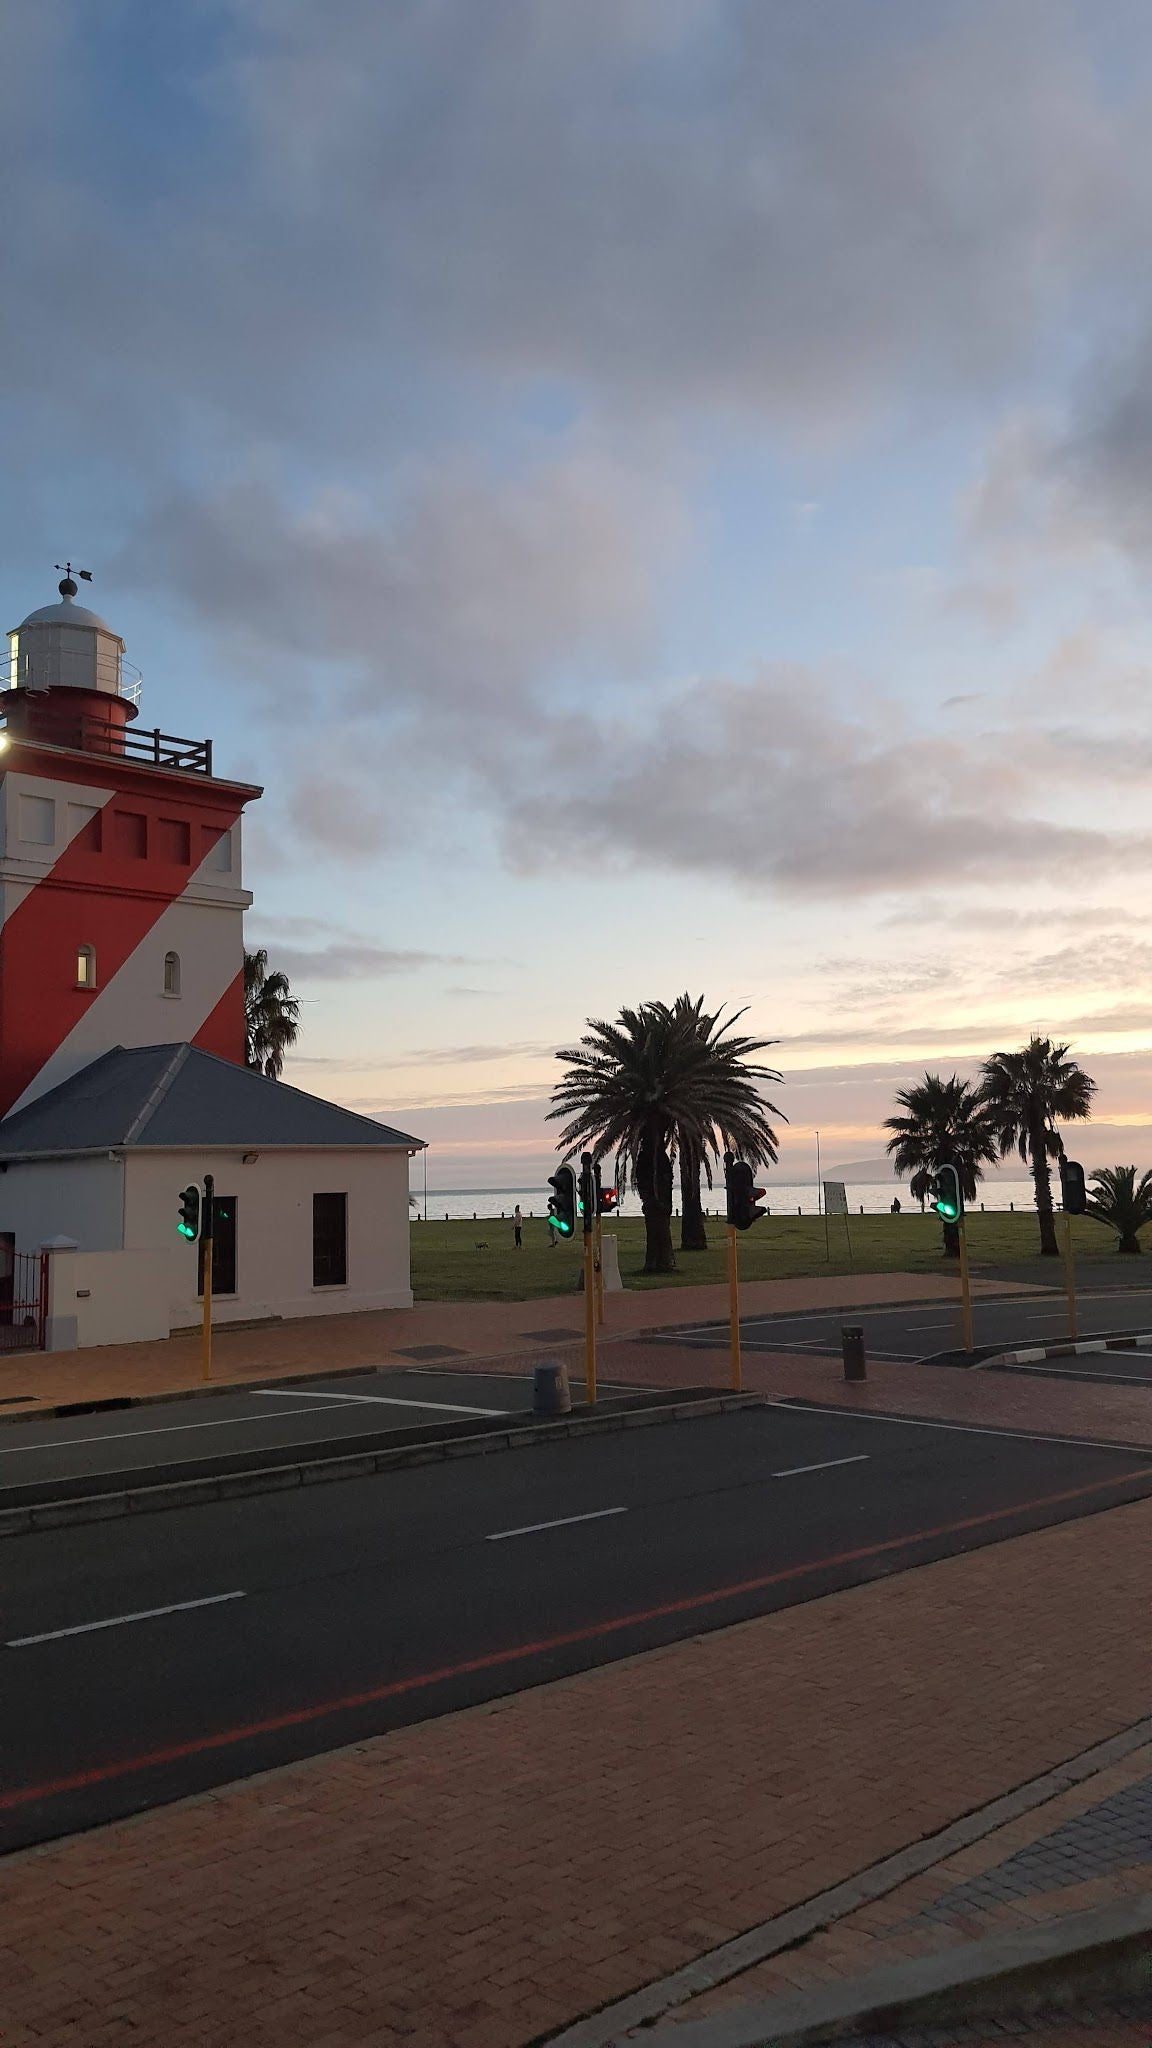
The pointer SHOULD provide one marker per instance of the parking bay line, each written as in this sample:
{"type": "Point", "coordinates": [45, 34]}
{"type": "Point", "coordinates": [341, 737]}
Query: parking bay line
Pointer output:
{"type": "Point", "coordinates": [84, 1628]}
{"type": "Point", "coordinates": [121, 1436]}
{"type": "Point", "coordinates": [379, 1401]}
{"type": "Point", "coordinates": [794, 1471]}
{"type": "Point", "coordinates": [1025, 1436]}
{"type": "Point", "coordinates": [565, 1522]}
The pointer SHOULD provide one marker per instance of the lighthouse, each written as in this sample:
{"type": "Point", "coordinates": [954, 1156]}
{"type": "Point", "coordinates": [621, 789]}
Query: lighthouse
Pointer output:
{"type": "Point", "coordinates": [122, 1042]}
{"type": "Point", "coordinates": [121, 892]}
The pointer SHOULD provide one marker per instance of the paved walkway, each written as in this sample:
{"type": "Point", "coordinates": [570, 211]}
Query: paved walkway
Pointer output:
{"type": "Point", "coordinates": [481, 1329]}
{"type": "Point", "coordinates": [487, 1879]}
{"type": "Point", "coordinates": [1082, 1849]}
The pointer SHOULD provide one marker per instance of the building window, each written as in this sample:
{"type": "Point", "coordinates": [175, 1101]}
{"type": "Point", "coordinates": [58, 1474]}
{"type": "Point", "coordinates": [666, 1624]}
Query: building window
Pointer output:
{"type": "Point", "coordinates": [38, 820]}
{"type": "Point", "coordinates": [130, 832]}
{"type": "Point", "coordinates": [223, 1247]}
{"type": "Point", "coordinates": [85, 966]}
{"type": "Point", "coordinates": [175, 841]}
{"type": "Point", "coordinates": [329, 1240]}
{"type": "Point", "coordinates": [171, 974]}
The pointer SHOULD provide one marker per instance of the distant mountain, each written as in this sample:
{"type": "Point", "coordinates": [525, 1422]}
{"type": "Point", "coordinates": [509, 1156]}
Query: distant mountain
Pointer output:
{"type": "Point", "coordinates": [861, 1170]}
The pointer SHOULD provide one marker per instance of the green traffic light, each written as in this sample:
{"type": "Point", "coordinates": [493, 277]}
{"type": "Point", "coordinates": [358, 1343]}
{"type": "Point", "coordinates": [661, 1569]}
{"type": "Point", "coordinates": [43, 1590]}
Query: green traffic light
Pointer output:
{"type": "Point", "coordinates": [184, 1230]}
{"type": "Point", "coordinates": [947, 1210]}
{"type": "Point", "coordinates": [562, 1227]}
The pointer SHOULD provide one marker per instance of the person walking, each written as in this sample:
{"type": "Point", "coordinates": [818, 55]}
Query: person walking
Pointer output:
{"type": "Point", "coordinates": [518, 1226]}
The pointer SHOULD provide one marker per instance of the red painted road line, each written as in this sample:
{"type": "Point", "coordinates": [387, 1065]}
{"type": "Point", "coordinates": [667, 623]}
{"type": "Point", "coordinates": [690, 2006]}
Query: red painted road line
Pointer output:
{"type": "Point", "coordinates": [226, 1738]}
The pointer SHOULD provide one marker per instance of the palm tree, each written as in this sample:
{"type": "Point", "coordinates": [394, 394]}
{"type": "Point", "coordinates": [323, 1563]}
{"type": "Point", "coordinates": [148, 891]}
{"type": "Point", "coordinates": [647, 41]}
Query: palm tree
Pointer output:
{"type": "Point", "coordinates": [1117, 1198]}
{"type": "Point", "coordinates": [945, 1123]}
{"type": "Point", "coordinates": [271, 1016]}
{"type": "Point", "coordinates": [1024, 1093]}
{"type": "Point", "coordinates": [736, 1110]}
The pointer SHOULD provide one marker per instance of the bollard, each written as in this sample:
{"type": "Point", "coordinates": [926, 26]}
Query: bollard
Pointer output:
{"type": "Point", "coordinates": [852, 1345]}
{"type": "Point", "coordinates": [551, 1394]}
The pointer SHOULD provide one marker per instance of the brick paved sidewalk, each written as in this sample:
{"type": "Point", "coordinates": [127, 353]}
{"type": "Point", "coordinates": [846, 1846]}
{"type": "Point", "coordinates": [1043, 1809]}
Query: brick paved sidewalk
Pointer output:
{"type": "Point", "coordinates": [483, 1880]}
{"type": "Point", "coordinates": [1086, 1848]}
{"type": "Point", "coordinates": [485, 1329]}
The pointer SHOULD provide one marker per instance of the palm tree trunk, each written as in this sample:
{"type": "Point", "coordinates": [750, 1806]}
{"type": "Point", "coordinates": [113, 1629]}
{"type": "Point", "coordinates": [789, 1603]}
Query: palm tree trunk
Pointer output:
{"type": "Point", "coordinates": [654, 1186]}
{"type": "Point", "coordinates": [1037, 1142]}
{"type": "Point", "coordinates": [951, 1240]}
{"type": "Point", "coordinates": [693, 1235]}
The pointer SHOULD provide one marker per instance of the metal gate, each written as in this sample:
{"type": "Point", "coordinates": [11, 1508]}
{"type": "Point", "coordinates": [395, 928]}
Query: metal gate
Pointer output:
{"type": "Point", "coordinates": [23, 1300]}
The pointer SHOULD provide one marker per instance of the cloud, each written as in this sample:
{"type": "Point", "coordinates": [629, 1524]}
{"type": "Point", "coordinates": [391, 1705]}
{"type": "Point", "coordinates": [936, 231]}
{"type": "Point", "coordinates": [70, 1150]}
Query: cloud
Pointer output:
{"type": "Point", "coordinates": [468, 1055]}
{"type": "Point", "coordinates": [349, 960]}
{"type": "Point", "coordinates": [767, 782]}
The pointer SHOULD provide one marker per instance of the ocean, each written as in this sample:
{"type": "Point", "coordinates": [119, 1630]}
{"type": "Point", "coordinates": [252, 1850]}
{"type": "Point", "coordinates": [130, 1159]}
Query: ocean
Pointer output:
{"type": "Point", "coordinates": [785, 1198]}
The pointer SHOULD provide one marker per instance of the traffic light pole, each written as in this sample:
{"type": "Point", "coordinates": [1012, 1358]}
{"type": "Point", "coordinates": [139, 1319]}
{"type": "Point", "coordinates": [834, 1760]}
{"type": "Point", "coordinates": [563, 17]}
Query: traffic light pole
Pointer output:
{"type": "Point", "coordinates": [1070, 1275]}
{"type": "Point", "coordinates": [734, 1311]}
{"type": "Point", "coordinates": [206, 1232]}
{"type": "Point", "coordinates": [599, 1262]}
{"type": "Point", "coordinates": [588, 1189]}
{"type": "Point", "coordinates": [965, 1285]}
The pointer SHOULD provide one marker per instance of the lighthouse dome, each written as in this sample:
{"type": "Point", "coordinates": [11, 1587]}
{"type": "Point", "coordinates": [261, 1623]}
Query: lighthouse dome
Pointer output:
{"type": "Point", "coordinates": [65, 613]}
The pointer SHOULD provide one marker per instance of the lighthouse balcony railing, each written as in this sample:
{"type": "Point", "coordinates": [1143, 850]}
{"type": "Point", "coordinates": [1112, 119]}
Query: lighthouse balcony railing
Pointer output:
{"type": "Point", "coordinates": [51, 670]}
{"type": "Point", "coordinates": [91, 734]}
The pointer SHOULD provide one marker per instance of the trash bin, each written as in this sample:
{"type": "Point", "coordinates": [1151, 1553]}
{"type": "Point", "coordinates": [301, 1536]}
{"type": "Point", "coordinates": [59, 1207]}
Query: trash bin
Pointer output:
{"type": "Point", "coordinates": [551, 1394]}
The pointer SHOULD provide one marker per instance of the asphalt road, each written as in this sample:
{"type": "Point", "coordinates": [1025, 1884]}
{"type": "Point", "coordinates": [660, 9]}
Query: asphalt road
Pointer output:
{"type": "Point", "coordinates": [140, 1663]}
{"type": "Point", "coordinates": [924, 1328]}
{"type": "Point", "coordinates": [157, 1433]}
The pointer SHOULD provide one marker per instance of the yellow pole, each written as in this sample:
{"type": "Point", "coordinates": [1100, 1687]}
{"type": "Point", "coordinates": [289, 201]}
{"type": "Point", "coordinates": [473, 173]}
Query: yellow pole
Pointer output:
{"type": "Point", "coordinates": [599, 1258]}
{"type": "Point", "coordinates": [1070, 1276]}
{"type": "Point", "coordinates": [207, 1233]}
{"type": "Point", "coordinates": [589, 1319]}
{"type": "Point", "coordinates": [734, 1310]}
{"type": "Point", "coordinates": [206, 1325]}
{"type": "Point", "coordinates": [965, 1288]}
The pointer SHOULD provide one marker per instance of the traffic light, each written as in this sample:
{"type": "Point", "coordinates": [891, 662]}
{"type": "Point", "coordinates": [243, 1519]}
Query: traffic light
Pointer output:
{"type": "Point", "coordinates": [589, 1175]}
{"type": "Point", "coordinates": [189, 1224]}
{"type": "Point", "coordinates": [947, 1195]}
{"type": "Point", "coordinates": [742, 1197]}
{"type": "Point", "coordinates": [1073, 1192]}
{"type": "Point", "coordinates": [607, 1199]}
{"type": "Point", "coordinates": [562, 1203]}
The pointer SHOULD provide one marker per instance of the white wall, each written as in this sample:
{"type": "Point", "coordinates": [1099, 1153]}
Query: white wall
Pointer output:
{"type": "Point", "coordinates": [274, 1227]}
{"type": "Point", "coordinates": [110, 1297]}
{"type": "Point", "coordinates": [80, 1198]}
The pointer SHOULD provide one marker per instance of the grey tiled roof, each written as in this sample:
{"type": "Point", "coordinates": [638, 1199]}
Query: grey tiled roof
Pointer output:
{"type": "Point", "coordinates": [159, 1096]}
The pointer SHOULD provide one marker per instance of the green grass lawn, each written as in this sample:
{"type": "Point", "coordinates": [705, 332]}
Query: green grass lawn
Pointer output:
{"type": "Point", "coordinates": [448, 1266]}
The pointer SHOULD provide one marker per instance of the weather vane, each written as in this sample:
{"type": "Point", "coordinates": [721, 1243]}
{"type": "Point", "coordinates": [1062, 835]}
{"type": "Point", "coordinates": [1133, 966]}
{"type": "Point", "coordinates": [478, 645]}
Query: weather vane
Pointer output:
{"type": "Point", "coordinates": [68, 588]}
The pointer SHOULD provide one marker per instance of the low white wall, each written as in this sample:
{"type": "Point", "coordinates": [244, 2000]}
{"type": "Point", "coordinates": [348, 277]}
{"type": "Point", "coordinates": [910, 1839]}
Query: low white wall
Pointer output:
{"type": "Point", "coordinates": [110, 1297]}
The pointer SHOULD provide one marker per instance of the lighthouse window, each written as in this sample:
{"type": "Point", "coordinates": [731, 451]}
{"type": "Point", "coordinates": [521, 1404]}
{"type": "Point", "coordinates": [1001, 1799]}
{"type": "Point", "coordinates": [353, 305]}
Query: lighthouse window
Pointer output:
{"type": "Point", "coordinates": [171, 974]}
{"type": "Point", "coordinates": [85, 966]}
{"type": "Point", "coordinates": [37, 820]}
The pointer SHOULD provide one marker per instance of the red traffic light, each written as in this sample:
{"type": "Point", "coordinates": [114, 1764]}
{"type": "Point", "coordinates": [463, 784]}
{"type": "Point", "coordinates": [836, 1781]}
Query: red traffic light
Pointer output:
{"type": "Point", "coordinates": [609, 1200]}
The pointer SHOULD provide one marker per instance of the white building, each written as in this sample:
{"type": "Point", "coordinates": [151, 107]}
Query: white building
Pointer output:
{"type": "Point", "coordinates": [122, 1038]}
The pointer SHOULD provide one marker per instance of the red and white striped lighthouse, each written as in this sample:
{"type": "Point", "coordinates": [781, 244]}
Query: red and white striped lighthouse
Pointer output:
{"type": "Point", "coordinates": [121, 900]}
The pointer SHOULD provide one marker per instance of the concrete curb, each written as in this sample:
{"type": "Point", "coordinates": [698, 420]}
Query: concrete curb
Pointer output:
{"type": "Point", "coordinates": [654, 2001]}
{"type": "Point", "coordinates": [1006, 1973]}
{"type": "Point", "coordinates": [1067, 1349]}
{"type": "Point", "coordinates": [245, 1475]}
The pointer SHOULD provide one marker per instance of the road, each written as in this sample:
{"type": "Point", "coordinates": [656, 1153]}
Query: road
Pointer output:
{"type": "Point", "coordinates": [924, 1328]}
{"type": "Point", "coordinates": [143, 1662]}
{"type": "Point", "coordinates": [129, 1440]}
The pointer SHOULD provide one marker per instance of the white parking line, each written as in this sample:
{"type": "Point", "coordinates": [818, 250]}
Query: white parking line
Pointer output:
{"type": "Point", "coordinates": [794, 1471]}
{"type": "Point", "coordinates": [385, 1401]}
{"type": "Point", "coordinates": [931, 1326]}
{"type": "Point", "coordinates": [1027, 1436]}
{"type": "Point", "coordinates": [120, 1436]}
{"type": "Point", "coordinates": [534, 1528]}
{"type": "Point", "coordinates": [84, 1628]}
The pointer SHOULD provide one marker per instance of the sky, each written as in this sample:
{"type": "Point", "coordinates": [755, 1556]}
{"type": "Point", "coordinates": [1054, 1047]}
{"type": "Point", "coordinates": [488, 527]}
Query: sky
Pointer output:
{"type": "Point", "coordinates": [658, 491]}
